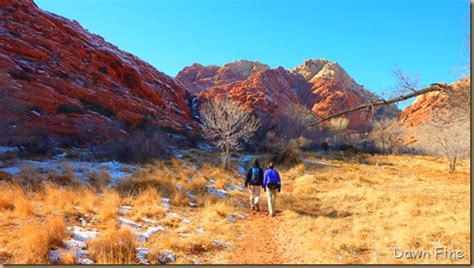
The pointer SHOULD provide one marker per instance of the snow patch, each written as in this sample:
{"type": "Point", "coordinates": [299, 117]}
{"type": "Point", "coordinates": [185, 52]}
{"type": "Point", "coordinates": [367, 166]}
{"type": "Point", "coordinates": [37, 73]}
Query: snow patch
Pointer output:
{"type": "Point", "coordinates": [82, 235]}
{"type": "Point", "coordinates": [11, 170]}
{"type": "Point", "coordinates": [230, 218]}
{"type": "Point", "coordinates": [54, 256]}
{"type": "Point", "coordinates": [130, 222]}
{"type": "Point", "coordinates": [218, 192]}
{"type": "Point", "coordinates": [142, 253]}
{"type": "Point", "coordinates": [82, 169]}
{"type": "Point", "coordinates": [220, 244]}
{"type": "Point", "coordinates": [149, 232]}
{"type": "Point", "coordinates": [148, 220]}
{"type": "Point", "coordinates": [166, 203]}
{"type": "Point", "coordinates": [166, 257]}
{"type": "Point", "coordinates": [4, 149]}
{"type": "Point", "coordinates": [124, 209]}
{"type": "Point", "coordinates": [309, 162]}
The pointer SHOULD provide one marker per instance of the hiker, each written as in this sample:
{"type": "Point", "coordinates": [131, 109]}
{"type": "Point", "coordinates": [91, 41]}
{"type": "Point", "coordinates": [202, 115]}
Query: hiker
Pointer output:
{"type": "Point", "coordinates": [254, 181]}
{"type": "Point", "coordinates": [271, 184]}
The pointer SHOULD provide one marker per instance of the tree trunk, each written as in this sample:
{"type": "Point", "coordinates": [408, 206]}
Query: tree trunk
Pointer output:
{"type": "Point", "coordinates": [452, 164]}
{"type": "Point", "coordinates": [225, 160]}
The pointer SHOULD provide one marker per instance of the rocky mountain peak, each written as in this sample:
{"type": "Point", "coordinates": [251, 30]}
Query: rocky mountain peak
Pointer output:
{"type": "Point", "coordinates": [241, 68]}
{"type": "Point", "coordinates": [322, 68]}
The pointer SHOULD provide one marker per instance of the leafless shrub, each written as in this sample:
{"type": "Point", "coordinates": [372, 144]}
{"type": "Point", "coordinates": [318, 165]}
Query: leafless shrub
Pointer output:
{"type": "Point", "coordinates": [449, 130]}
{"type": "Point", "coordinates": [65, 178]}
{"type": "Point", "coordinates": [385, 135]}
{"type": "Point", "coordinates": [142, 147]}
{"type": "Point", "coordinates": [289, 152]}
{"type": "Point", "coordinates": [293, 123]}
{"type": "Point", "coordinates": [145, 180]}
{"type": "Point", "coordinates": [100, 180]}
{"type": "Point", "coordinates": [228, 126]}
{"type": "Point", "coordinates": [338, 126]}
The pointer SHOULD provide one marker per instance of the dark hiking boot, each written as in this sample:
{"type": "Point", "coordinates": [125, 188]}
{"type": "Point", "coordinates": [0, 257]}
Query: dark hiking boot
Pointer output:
{"type": "Point", "coordinates": [257, 207]}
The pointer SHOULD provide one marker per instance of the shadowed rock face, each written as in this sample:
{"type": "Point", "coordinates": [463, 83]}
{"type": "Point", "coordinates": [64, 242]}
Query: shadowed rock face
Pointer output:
{"type": "Point", "coordinates": [57, 76]}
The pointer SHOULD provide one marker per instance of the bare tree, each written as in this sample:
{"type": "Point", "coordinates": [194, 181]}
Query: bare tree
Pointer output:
{"type": "Point", "coordinates": [228, 126]}
{"type": "Point", "coordinates": [385, 134]}
{"type": "Point", "coordinates": [339, 126]}
{"type": "Point", "coordinates": [293, 121]}
{"type": "Point", "coordinates": [449, 130]}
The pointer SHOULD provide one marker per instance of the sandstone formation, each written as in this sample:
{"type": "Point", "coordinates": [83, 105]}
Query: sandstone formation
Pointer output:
{"type": "Point", "coordinates": [58, 77]}
{"type": "Point", "coordinates": [421, 110]}
{"type": "Point", "coordinates": [334, 91]}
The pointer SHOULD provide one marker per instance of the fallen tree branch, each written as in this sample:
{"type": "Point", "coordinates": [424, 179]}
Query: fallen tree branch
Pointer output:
{"type": "Point", "coordinates": [381, 102]}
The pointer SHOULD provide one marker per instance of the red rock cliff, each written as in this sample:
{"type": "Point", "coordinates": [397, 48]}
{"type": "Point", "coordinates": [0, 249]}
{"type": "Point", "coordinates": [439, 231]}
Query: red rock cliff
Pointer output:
{"type": "Point", "coordinates": [421, 110]}
{"type": "Point", "coordinates": [57, 76]}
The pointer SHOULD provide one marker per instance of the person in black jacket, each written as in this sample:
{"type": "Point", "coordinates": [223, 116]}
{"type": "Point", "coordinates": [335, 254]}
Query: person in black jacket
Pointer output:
{"type": "Point", "coordinates": [254, 181]}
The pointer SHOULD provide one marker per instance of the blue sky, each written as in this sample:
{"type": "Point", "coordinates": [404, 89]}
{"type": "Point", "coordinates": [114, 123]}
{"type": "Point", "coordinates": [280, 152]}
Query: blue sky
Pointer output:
{"type": "Point", "coordinates": [369, 38]}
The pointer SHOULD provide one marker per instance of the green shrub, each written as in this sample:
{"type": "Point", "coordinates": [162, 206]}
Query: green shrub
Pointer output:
{"type": "Point", "coordinates": [98, 108]}
{"type": "Point", "coordinates": [70, 109]}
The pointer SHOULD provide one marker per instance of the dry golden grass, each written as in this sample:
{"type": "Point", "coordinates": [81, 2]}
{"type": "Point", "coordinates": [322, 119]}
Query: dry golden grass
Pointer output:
{"type": "Point", "coordinates": [108, 208]}
{"type": "Point", "coordinates": [197, 186]}
{"type": "Point", "coordinates": [358, 213]}
{"type": "Point", "coordinates": [114, 246]}
{"type": "Point", "coordinates": [23, 206]}
{"type": "Point", "coordinates": [57, 203]}
{"type": "Point", "coordinates": [194, 244]}
{"type": "Point", "coordinates": [66, 257]}
{"type": "Point", "coordinates": [147, 205]}
{"type": "Point", "coordinates": [36, 238]}
{"type": "Point", "coordinates": [148, 178]}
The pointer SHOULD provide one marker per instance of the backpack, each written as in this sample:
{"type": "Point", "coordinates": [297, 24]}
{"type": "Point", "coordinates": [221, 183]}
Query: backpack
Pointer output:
{"type": "Point", "coordinates": [255, 176]}
{"type": "Point", "coordinates": [272, 185]}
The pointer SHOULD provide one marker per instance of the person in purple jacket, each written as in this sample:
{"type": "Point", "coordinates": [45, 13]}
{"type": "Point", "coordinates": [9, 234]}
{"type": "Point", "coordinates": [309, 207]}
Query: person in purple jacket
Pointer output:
{"type": "Point", "coordinates": [271, 184]}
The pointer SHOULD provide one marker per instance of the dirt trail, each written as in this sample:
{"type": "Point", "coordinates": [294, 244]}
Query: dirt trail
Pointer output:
{"type": "Point", "coordinates": [265, 240]}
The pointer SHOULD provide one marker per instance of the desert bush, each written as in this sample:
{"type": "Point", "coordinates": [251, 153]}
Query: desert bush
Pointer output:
{"type": "Point", "coordinates": [114, 247]}
{"type": "Point", "coordinates": [100, 180]}
{"type": "Point", "coordinates": [20, 74]}
{"type": "Point", "coordinates": [141, 147]}
{"type": "Point", "coordinates": [144, 180]}
{"type": "Point", "coordinates": [67, 178]}
{"type": "Point", "coordinates": [5, 176]}
{"type": "Point", "coordinates": [70, 109]}
{"type": "Point", "coordinates": [294, 122]}
{"type": "Point", "coordinates": [289, 153]}
{"type": "Point", "coordinates": [197, 244]}
{"type": "Point", "coordinates": [180, 199]}
{"type": "Point", "coordinates": [385, 135]}
{"type": "Point", "coordinates": [30, 179]}
{"type": "Point", "coordinates": [33, 142]}
{"type": "Point", "coordinates": [218, 209]}
{"type": "Point", "coordinates": [98, 108]}
{"type": "Point", "coordinates": [197, 186]}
